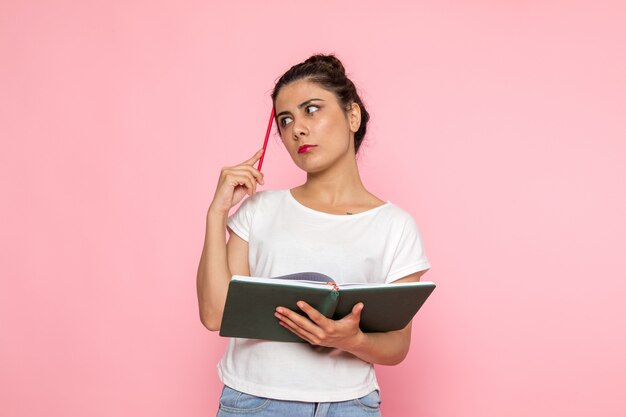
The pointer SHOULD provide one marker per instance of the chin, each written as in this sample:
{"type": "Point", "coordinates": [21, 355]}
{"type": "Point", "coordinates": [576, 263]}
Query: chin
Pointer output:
{"type": "Point", "coordinates": [315, 164]}
{"type": "Point", "coordinates": [309, 168]}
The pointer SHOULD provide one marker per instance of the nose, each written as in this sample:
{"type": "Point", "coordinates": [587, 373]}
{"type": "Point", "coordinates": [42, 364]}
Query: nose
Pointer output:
{"type": "Point", "coordinates": [299, 130]}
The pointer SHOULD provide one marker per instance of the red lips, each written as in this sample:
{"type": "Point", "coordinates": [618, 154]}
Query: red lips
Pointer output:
{"type": "Point", "coordinates": [305, 148]}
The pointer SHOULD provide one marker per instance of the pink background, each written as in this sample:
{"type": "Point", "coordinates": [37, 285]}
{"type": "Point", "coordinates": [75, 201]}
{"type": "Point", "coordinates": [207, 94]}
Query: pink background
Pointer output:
{"type": "Point", "coordinates": [499, 125]}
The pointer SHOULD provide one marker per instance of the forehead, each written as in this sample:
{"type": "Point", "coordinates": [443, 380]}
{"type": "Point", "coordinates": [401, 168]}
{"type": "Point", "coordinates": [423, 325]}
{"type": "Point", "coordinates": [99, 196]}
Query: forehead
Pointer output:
{"type": "Point", "coordinates": [298, 91]}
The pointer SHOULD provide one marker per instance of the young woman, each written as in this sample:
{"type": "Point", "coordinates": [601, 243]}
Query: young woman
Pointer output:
{"type": "Point", "coordinates": [330, 224]}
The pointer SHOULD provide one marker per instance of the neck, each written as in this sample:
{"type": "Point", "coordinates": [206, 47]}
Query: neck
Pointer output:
{"type": "Point", "coordinates": [338, 184]}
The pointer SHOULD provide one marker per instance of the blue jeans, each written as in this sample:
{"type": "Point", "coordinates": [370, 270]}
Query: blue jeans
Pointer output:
{"type": "Point", "coordinates": [236, 403]}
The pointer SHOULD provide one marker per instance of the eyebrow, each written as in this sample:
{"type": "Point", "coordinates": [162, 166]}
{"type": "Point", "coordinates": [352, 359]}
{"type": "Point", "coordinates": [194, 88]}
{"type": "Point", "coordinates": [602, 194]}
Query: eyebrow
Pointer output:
{"type": "Point", "coordinates": [301, 105]}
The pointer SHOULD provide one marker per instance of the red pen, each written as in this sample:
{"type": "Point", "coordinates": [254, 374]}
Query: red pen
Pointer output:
{"type": "Point", "coordinates": [267, 136]}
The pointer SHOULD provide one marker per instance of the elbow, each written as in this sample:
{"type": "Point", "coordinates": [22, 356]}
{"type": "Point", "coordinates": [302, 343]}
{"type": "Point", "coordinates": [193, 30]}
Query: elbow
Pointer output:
{"type": "Point", "coordinates": [214, 327]}
{"type": "Point", "coordinates": [398, 360]}
{"type": "Point", "coordinates": [394, 360]}
{"type": "Point", "coordinates": [397, 357]}
{"type": "Point", "coordinates": [211, 322]}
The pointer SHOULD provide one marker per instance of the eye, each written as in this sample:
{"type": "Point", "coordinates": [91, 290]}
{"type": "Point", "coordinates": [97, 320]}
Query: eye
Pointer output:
{"type": "Point", "coordinates": [283, 122]}
{"type": "Point", "coordinates": [314, 106]}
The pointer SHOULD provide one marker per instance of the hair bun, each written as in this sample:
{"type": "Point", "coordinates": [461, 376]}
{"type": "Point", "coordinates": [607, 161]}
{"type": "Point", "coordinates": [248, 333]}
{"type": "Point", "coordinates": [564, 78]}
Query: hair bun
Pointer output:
{"type": "Point", "coordinates": [329, 60]}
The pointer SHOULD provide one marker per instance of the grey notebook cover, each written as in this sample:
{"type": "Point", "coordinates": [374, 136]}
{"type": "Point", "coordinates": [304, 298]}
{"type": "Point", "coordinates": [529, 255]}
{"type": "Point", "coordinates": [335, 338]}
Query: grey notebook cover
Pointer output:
{"type": "Point", "coordinates": [250, 305]}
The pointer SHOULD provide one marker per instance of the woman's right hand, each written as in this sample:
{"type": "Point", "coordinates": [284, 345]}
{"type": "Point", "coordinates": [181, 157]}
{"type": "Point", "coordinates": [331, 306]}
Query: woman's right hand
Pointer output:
{"type": "Point", "coordinates": [234, 183]}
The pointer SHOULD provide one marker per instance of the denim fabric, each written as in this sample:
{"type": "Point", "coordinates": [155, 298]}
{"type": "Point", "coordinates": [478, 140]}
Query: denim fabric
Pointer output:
{"type": "Point", "coordinates": [236, 403]}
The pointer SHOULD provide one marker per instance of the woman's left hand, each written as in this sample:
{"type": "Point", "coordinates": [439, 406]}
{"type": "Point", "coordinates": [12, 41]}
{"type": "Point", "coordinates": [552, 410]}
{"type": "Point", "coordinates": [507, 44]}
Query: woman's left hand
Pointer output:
{"type": "Point", "coordinates": [343, 334]}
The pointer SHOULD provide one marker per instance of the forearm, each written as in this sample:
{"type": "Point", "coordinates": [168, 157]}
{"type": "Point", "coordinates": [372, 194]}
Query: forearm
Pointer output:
{"type": "Point", "coordinates": [386, 348]}
{"type": "Point", "coordinates": [213, 272]}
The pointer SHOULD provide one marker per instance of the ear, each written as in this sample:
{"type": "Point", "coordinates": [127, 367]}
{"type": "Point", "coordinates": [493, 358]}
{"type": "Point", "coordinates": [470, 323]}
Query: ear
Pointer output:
{"type": "Point", "coordinates": [354, 117]}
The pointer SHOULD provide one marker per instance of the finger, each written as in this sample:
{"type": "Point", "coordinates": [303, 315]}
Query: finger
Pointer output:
{"type": "Point", "coordinates": [254, 158]}
{"type": "Point", "coordinates": [243, 181]}
{"type": "Point", "coordinates": [302, 322]}
{"type": "Point", "coordinates": [256, 174]}
{"type": "Point", "coordinates": [252, 172]}
{"type": "Point", "coordinates": [251, 179]}
{"type": "Point", "coordinates": [315, 316]}
{"type": "Point", "coordinates": [357, 310]}
{"type": "Point", "coordinates": [297, 329]}
{"type": "Point", "coordinates": [355, 313]}
{"type": "Point", "coordinates": [295, 332]}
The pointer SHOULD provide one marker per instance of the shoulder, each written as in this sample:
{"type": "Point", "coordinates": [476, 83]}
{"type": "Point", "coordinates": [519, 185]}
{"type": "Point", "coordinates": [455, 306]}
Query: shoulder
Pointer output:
{"type": "Point", "coordinates": [251, 208]}
{"type": "Point", "coordinates": [397, 214]}
{"type": "Point", "coordinates": [268, 195]}
{"type": "Point", "coordinates": [398, 221]}
{"type": "Point", "coordinates": [263, 197]}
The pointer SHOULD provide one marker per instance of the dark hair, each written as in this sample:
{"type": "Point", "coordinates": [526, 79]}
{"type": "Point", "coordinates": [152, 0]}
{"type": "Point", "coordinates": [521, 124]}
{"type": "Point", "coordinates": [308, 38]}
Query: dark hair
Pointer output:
{"type": "Point", "coordinates": [329, 73]}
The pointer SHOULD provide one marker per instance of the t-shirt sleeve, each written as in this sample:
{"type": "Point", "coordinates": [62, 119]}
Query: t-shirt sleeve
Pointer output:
{"type": "Point", "coordinates": [240, 221]}
{"type": "Point", "coordinates": [409, 256]}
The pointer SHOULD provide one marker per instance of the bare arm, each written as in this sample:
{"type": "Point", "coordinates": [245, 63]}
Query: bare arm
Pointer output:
{"type": "Point", "coordinates": [388, 348]}
{"type": "Point", "coordinates": [218, 263]}
{"type": "Point", "coordinates": [219, 260]}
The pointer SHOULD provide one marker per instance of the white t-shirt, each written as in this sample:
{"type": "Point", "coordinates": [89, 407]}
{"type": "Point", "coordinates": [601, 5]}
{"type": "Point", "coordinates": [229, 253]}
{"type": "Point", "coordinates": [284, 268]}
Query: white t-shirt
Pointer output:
{"type": "Point", "coordinates": [378, 245]}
